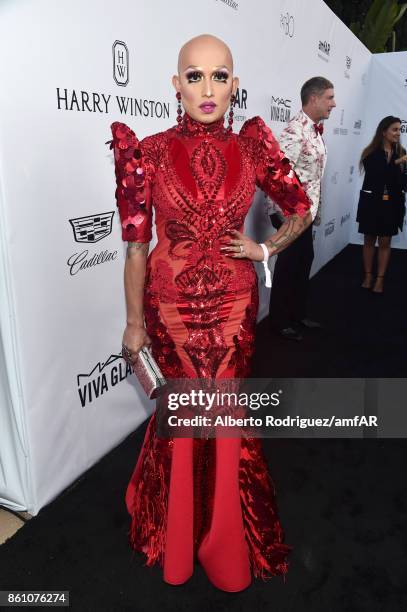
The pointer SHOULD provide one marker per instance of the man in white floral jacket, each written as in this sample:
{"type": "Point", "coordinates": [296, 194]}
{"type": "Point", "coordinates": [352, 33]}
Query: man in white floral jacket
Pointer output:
{"type": "Point", "coordinates": [303, 144]}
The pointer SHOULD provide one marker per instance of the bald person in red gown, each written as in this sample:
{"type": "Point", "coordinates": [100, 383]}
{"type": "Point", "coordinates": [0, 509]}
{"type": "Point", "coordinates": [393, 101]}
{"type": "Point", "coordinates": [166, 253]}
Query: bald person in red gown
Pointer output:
{"type": "Point", "coordinates": [193, 299]}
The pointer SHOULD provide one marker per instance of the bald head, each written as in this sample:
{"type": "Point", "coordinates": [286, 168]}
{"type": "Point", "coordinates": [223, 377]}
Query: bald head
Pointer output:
{"type": "Point", "coordinates": [205, 78]}
{"type": "Point", "coordinates": [193, 52]}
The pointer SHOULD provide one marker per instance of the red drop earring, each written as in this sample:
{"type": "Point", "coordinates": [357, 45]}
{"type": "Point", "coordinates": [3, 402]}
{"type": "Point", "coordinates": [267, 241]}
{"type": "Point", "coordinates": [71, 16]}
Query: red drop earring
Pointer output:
{"type": "Point", "coordinates": [179, 109]}
{"type": "Point", "coordinates": [230, 120]}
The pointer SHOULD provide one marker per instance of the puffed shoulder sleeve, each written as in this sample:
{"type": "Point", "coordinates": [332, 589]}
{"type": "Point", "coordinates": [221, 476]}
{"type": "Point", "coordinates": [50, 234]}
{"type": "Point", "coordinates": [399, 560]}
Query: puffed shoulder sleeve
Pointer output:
{"type": "Point", "coordinates": [274, 174]}
{"type": "Point", "coordinates": [134, 169]}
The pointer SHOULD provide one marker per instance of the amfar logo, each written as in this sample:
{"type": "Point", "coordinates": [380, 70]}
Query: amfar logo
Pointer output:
{"type": "Point", "coordinates": [351, 170]}
{"type": "Point", "coordinates": [325, 49]}
{"type": "Point", "coordinates": [280, 109]}
{"type": "Point", "coordinates": [357, 125]}
{"type": "Point", "coordinates": [102, 378]}
{"type": "Point", "coordinates": [324, 46]}
{"type": "Point", "coordinates": [240, 104]}
{"type": "Point", "coordinates": [345, 218]}
{"type": "Point", "coordinates": [241, 98]}
{"type": "Point", "coordinates": [287, 24]}
{"type": "Point", "coordinates": [92, 228]}
{"type": "Point", "coordinates": [403, 127]}
{"type": "Point", "coordinates": [330, 227]}
{"type": "Point", "coordinates": [120, 63]}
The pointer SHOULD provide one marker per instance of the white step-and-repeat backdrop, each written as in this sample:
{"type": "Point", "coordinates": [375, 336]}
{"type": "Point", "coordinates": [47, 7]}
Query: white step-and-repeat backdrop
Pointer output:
{"type": "Point", "coordinates": [386, 95]}
{"type": "Point", "coordinates": [66, 395]}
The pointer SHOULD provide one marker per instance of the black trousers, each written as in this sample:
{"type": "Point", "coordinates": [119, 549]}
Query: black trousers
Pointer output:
{"type": "Point", "coordinates": [289, 292]}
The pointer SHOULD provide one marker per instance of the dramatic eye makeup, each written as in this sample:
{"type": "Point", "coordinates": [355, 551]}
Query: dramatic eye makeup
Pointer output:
{"type": "Point", "coordinates": [194, 76]}
{"type": "Point", "coordinates": [221, 75]}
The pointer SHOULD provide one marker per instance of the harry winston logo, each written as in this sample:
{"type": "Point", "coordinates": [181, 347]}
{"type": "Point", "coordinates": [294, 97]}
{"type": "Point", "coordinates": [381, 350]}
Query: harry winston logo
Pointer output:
{"type": "Point", "coordinates": [120, 63]}
{"type": "Point", "coordinates": [324, 50]}
{"type": "Point", "coordinates": [324, 46]}
{"type": "Point", "coordinates": [92, 228]}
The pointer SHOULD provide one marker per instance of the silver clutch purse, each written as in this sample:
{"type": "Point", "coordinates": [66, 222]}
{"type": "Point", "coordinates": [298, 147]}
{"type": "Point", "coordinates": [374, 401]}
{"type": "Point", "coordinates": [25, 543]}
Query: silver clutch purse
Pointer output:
{"type": "Point", "coordinates": [147, 371]}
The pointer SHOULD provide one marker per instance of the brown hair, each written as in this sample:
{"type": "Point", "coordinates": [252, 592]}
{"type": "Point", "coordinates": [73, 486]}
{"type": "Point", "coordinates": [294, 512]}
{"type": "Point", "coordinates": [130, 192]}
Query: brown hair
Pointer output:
{"type": "Point", "coordinates": [315, 86]}
{"type": "Point", "coordinates": [377, 141]}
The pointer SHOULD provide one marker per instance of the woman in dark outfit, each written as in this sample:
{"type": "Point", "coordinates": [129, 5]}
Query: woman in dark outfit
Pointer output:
{"type": "Point", "coordinates": [381, 206]}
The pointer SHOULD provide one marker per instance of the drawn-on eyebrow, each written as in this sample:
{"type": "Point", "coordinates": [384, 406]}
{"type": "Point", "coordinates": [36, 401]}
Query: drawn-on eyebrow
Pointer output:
{"type": "Point", "coordinates": [199, 68]}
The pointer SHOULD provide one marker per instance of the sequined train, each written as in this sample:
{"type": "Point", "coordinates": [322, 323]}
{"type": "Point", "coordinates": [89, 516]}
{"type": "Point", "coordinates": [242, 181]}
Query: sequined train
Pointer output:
{"type": "Point", "coordinates": [206, 499]}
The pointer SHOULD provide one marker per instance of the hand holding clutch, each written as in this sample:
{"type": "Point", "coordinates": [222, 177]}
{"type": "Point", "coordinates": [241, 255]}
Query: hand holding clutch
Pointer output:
{"type": "Point", "coordinates": [146, 369]}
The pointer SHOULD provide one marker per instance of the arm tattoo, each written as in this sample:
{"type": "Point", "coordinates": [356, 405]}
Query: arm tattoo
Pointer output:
{"type": "Point", "coordinates": [137, 246]}
{"type": "Point", "coordinates": [288, 232]}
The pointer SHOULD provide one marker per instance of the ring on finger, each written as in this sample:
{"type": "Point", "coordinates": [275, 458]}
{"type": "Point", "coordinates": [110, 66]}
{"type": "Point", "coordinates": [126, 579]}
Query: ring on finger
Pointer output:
{"type": "Point", "coordinates": [241, 248]}
{"type": "Point", "coordinates": [126, 353]}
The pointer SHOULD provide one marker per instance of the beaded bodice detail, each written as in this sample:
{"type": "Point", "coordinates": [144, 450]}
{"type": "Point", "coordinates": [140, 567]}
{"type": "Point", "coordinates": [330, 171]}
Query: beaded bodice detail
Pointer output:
{"type": "Point", "coordinates": [191, 127]}
{"type": "Point", "coordinates": [200, 179]}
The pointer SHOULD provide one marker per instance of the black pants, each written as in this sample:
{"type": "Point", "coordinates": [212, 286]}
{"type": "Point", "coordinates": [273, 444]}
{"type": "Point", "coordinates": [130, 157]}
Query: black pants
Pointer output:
{"type": "Point", "coordinates": [288, 299]}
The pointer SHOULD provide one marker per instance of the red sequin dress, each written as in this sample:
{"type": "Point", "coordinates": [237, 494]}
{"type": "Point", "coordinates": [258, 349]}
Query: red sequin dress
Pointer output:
{"type": "Point", "coordinates": [210, 499]}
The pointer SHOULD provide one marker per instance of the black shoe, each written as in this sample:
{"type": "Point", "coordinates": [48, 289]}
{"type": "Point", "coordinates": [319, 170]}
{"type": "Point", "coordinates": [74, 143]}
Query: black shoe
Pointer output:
{"type": "Point", "coordinates": [291, 333]}
{"type": "Point", "coordinates": [310, 324]}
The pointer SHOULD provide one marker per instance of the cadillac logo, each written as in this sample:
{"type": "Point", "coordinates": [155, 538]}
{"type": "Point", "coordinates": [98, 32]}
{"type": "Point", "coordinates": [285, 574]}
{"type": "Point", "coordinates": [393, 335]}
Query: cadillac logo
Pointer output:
{"type": "Point", "coordinates": [120, 63]}
{"type": "Point", "coordinates": [93, 227]}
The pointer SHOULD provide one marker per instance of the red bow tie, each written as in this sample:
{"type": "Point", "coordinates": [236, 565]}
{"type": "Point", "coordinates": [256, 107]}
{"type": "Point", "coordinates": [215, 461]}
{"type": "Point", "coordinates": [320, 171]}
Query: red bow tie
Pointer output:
{"type": "Point", "coordinates": [319, 128]}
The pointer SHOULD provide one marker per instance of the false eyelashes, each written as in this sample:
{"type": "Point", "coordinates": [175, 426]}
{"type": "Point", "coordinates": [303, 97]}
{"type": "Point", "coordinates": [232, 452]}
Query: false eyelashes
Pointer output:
{"type": "Point", "coordinates": [221, 75]}
{"type": "Point", "coordinates": [196, 76]}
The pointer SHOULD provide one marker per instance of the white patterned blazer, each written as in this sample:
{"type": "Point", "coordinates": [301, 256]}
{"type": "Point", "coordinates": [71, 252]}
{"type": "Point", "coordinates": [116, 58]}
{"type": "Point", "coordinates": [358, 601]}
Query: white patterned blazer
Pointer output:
{"type": "Point", "coordinates": [306, 151]}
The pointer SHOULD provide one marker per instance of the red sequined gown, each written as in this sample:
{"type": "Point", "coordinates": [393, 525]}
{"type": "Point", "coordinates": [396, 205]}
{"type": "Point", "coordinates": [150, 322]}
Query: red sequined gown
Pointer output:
{"type": "Point", "coordinates": [212, 499]}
